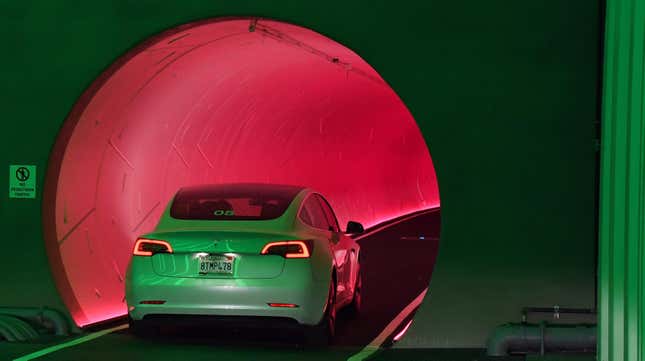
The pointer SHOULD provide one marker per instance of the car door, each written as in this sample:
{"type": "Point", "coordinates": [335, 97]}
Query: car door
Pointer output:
{"type": "Point", "coordinates": [342, 249]}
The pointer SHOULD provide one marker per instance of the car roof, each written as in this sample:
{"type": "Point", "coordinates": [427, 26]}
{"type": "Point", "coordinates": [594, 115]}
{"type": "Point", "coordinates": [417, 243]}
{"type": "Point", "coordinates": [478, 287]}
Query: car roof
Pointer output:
{"type": "Point", "coordinates": [236, 187]}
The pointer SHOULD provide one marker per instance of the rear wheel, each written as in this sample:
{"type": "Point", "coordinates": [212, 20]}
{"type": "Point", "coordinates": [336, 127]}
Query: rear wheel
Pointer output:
{"type": "Point", "coordinates": [357, 300]}
{"type": "Point", "coordinates": [141, 328]}
{"type": "Point", "coordinates": [323, 334]}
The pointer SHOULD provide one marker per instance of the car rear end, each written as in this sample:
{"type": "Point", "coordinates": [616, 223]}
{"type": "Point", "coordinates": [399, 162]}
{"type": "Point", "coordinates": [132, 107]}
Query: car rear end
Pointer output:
{"type": "Point", "coordinates": [232, 269]}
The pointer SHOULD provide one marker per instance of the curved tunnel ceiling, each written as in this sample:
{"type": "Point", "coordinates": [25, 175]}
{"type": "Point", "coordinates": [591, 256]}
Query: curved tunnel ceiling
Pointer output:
{"type": "Point", "coordinates": [214, 102]}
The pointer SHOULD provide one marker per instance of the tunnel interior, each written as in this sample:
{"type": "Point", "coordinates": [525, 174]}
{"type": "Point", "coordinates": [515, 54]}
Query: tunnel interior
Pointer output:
{"type": "Point", "coordinates": [235, 100]}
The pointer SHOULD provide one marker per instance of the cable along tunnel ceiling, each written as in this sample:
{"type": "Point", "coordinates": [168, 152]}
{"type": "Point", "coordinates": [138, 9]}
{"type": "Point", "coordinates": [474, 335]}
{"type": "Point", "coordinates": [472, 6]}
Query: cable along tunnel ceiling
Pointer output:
{"type": "Point", "coordinates": [214, 102]}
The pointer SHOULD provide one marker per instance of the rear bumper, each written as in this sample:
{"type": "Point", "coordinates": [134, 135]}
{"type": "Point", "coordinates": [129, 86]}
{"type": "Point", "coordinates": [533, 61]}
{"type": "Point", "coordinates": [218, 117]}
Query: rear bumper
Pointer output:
{"type": "Point", "coordinates": [247, 298]}
{"type": "Point", "coordinates": [225, 321]}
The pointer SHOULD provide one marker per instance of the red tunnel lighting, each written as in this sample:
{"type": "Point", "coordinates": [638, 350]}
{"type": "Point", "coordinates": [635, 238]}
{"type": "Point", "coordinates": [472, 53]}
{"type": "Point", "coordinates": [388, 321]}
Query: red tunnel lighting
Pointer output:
{"type": "Point", "coordinates": [212, 102]}
{"type": "Point", "coordinates": [399, 335]}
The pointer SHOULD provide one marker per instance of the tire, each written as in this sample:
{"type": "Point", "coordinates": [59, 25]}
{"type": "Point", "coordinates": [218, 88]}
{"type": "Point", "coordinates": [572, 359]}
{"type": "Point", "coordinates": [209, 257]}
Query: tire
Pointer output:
{"type": "Point", "coordinates": [140, 328]}
{"type": "Point", "coordinates": [356, 305]}
{"type": "Point", "coordinates": [322, 335]}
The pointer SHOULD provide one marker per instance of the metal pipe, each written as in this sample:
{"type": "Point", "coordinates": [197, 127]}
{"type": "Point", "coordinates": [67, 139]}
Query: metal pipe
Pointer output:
{"type": "Point", "coordinates": [16, 329]}
{"type": "Point", "coordinates": [534, 338]}
{"type": "Point", "coordinates": [47, 317]}
{"type": "Point", "coordinates": [556, 311]}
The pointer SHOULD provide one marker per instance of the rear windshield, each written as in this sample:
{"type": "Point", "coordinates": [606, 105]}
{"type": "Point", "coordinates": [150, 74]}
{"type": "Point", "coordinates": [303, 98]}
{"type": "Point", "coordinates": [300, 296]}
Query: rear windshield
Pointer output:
{"type": "Point", "coordinates": [233, 202]}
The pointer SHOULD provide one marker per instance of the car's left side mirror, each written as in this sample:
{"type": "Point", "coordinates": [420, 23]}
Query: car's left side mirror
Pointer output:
{"type": "Point", "coordinates": [354, 228]}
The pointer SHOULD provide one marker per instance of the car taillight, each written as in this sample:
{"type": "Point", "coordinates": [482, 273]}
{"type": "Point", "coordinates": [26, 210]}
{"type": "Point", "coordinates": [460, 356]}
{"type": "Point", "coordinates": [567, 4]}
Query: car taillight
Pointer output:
{"type": "Point", "coordinates": [152, 302]}
{"type": "Point", "coordinates": [286, 305]}
{"type": "Point", "coordinates": [148, 247]}
{"type": "Point", "coordinates": [287, 249]}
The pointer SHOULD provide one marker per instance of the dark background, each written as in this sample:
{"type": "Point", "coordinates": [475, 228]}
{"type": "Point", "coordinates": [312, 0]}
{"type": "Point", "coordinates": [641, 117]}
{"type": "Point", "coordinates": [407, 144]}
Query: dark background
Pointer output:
{"type": "Point", "coordinates": [505, 93]}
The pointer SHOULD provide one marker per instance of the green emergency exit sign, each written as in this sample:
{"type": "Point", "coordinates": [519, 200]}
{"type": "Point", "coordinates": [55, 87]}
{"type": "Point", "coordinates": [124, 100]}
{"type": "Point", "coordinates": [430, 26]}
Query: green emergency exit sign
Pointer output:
{"type": "Point", "coordinates": [22, 181]}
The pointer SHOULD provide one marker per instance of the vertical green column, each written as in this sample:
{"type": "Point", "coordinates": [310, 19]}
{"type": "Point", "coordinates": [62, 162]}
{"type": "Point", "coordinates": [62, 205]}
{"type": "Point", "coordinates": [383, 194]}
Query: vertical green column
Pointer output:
{"type": "Point", "coordinates": [622, 193]}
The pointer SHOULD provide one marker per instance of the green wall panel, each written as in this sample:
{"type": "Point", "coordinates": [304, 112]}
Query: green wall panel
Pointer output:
{"type": "Point", "coordinates": [505, 94]}
{"type": "Point", "coordinates": [622, 232]}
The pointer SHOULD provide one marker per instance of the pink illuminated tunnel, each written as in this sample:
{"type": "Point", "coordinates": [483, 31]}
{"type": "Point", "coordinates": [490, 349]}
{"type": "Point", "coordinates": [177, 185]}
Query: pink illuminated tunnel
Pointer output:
{"type": "Point", "coordinates": [235, 100]}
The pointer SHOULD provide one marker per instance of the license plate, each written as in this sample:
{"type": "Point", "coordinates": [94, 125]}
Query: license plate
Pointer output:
{"type": "Point", "coordinates": [216, 264]}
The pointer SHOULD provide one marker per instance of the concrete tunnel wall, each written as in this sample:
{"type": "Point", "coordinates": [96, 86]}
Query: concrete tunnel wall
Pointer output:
{"type": "Point", "coordinates": [213, 102]}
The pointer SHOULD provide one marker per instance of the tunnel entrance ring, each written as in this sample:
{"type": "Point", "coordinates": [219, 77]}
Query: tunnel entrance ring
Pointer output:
{"type": "Point", "coordinates": [224, 100]}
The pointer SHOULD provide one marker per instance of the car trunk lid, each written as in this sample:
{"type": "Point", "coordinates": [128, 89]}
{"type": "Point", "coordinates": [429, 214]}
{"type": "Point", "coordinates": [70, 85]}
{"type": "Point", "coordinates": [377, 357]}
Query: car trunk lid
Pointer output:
{"type": "Point", "coordinates": [218, 254]}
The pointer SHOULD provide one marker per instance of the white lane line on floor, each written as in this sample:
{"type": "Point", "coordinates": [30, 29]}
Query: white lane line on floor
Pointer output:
{"type": "Point", "coordinates": [71, 343]}
{"type": "Point", "coordinates": [374, 346]}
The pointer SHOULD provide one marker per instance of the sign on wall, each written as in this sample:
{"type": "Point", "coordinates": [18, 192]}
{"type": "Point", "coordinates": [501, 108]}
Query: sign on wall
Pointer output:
{"type": "Point", "coordinates": [22, 181]}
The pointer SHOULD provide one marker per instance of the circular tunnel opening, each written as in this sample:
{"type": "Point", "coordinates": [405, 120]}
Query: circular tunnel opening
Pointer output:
{"type": "Point", "coordinates": [219, 101]}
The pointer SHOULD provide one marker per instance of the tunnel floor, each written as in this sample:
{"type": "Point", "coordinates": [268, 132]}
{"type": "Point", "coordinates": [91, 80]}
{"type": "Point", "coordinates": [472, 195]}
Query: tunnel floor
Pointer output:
{"type": "Point", "coordinates": [416, 239]}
